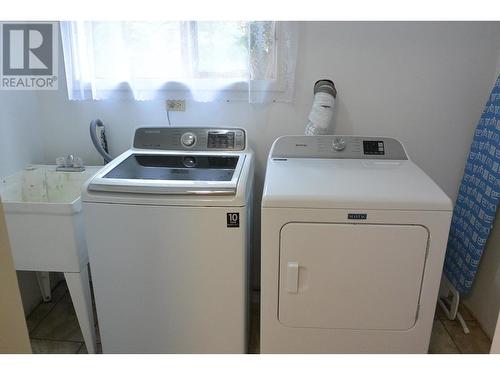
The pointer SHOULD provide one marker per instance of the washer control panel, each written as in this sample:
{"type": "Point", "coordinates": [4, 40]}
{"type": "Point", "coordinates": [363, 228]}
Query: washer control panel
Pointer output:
{"type": "Point", "coordinates": [338, 147]}
{"type": "Point", "coordinates": [193, 139]}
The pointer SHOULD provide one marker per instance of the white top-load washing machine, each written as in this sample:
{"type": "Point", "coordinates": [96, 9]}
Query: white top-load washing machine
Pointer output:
{"type": "Point", "coordinates": [353, 243]}
{"type": "Point", "coordinates": [168, 231]}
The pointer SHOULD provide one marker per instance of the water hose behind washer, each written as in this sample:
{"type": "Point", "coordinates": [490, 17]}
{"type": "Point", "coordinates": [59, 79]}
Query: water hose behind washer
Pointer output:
{"type": "Point", "coordinates": [99, 141]}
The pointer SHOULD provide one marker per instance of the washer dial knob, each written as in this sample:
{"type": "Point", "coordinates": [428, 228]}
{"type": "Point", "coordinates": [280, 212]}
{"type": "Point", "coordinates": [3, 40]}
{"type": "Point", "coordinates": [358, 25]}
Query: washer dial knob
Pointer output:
{"type": "Point", "coordinates": [188, 139]}
{"type": "Point", "coordinates": [338, 144]}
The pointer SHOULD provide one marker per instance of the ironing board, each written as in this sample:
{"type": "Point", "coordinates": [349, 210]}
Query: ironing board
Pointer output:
{"type": "Point", "coordinates": [475, 209]}
{"type": "Point", "coordinates": [477, 201]}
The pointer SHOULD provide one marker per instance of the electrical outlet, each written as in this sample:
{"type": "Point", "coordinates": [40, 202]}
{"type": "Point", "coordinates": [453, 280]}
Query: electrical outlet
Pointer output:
{"type": "Point", "coordinates": [176, 105]}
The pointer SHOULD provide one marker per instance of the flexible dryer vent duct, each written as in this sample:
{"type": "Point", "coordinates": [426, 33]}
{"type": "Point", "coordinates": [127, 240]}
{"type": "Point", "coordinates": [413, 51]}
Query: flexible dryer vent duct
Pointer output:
{"type": "Point", "coordinates": [322, 108]}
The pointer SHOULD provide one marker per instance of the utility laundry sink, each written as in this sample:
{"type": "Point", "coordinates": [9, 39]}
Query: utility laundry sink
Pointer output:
{"type": "Point", "coordinates": [44, 218]}
{"type": "Point", "coordinates": [43, 212]}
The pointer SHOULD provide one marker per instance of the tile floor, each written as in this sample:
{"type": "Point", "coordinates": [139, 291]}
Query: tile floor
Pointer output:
{"type": "Point", "coordinates": [448, 336]}
{"type": "Point", "coordinates": [53, 328]}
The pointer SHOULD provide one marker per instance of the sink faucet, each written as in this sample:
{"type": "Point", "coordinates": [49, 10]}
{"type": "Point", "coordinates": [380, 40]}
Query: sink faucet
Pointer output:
{"type": "Point", "coordinates": [69, 163]}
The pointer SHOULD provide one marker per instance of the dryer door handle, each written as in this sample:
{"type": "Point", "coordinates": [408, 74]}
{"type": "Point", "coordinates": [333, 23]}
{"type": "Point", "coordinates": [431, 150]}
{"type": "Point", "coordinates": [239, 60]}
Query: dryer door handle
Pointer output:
{"type": "Point", "coordinates": [292, 277]}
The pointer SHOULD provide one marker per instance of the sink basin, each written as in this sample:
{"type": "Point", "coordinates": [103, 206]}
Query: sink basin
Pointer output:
{"type": "Point", "coordinates": [43, 212]}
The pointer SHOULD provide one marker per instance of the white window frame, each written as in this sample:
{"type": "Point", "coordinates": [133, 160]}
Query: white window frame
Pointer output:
{"type": "Point", "coordinates": [233, 91]}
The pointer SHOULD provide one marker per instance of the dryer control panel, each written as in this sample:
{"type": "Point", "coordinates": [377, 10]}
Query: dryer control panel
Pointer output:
{"type": "Point", "coordinates": [338, 147]}
{"type": "Point", "coordinates": [190, 139]}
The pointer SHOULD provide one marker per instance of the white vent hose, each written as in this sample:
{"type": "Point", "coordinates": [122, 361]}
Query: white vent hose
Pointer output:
{"type": "Point", "coordinates": [322, 108]}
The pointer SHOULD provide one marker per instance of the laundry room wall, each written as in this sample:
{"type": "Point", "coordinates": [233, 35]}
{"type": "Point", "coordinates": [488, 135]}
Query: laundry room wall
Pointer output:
{"type": "Point", "coordinates": [498, 66]}
{"type": "Point", "coordinates": [424, 83]}
{"type": "Point", "coordinates": [20, 131]}
{"type": "Point", "coordinates": [21, 144]}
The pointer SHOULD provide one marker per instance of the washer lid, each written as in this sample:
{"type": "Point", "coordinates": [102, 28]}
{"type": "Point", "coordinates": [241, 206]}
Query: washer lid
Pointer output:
{"type": "Point", "coordinates": [170, 173]}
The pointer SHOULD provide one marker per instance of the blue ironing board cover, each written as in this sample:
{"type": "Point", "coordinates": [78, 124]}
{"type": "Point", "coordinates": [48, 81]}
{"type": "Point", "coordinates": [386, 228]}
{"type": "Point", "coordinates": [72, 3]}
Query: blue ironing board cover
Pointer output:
{"type": "Point", "coordinates": [477, 201]}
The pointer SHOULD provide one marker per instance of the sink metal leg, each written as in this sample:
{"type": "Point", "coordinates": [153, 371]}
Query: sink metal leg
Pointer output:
{"type": "Point", "coordinates": [43, 279]}
{"type": "Point", "coordinates": [79, 290]}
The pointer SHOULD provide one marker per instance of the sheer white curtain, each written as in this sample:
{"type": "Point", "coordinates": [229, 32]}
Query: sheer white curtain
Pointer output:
{"type": "Point", "coordinates": [202, 61]}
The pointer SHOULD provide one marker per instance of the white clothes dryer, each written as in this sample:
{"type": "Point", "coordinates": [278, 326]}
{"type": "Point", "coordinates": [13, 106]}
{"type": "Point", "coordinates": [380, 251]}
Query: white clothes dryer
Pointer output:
{"type": "Point", "coordinates": [353, 242]}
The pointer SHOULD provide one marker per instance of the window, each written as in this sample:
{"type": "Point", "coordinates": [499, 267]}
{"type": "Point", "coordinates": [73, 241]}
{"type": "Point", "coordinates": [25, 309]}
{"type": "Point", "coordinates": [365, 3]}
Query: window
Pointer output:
{"type": "Point", "coordinates": [204, 61]}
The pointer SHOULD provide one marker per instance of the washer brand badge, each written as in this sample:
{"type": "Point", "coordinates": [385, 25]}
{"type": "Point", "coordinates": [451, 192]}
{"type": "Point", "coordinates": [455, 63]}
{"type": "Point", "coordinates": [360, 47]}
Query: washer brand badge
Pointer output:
{"type": "Point", "coordinates": [357, 216]}
{"type": "Point", "coordinates": [29, 56]}
{"type": "Point", "coordinates": [233, 219]}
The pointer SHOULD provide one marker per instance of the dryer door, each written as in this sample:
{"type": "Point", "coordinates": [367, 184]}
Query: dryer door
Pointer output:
{"type": "Point", "coordinates": [351, 276]}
